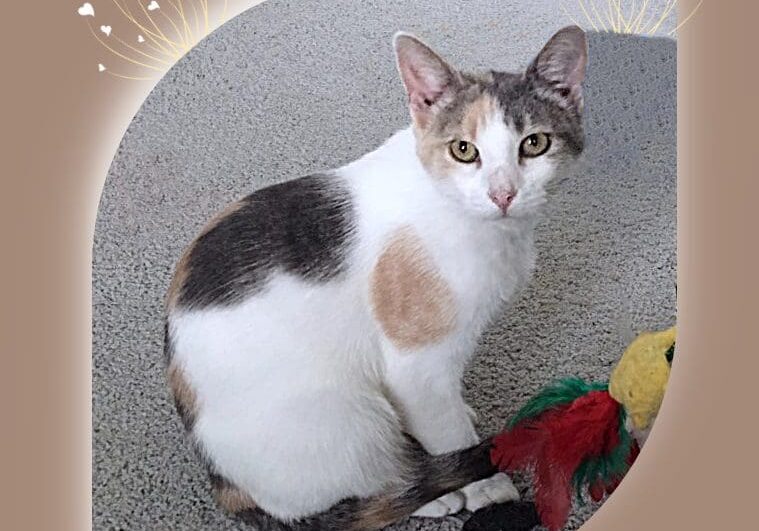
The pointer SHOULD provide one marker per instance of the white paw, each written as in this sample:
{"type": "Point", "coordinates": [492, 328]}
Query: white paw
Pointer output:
{"type": "Point", "coordinates": [451, 503]}
{"type": "Point", "coordinates": [495, 489]}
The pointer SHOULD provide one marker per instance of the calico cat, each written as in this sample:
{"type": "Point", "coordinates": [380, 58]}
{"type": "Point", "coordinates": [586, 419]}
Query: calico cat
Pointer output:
{"type": "Point", "coordinates": [317, 330]}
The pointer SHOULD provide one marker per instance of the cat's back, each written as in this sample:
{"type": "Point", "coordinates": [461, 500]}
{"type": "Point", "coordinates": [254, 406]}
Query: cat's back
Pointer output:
{"type": "Point", "coordinates": [303, 228]}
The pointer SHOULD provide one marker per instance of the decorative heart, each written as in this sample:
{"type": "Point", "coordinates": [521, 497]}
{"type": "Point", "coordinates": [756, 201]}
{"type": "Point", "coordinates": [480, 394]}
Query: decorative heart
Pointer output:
{"type": "Point", "coordinates": [86, 10]}
{"type": "Point", "coordinates": [152, 6]}
{"type": "Point", "coordinates": [101, 68]}
{"type": "Point", "coordinates": [106, 30]}
{"type": "Point", "coordinates": [140, 38]}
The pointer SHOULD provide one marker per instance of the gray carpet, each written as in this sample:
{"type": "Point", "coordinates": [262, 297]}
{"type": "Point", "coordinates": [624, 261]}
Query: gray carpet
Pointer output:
{"type": "Point", "coordinates": [289, 88]}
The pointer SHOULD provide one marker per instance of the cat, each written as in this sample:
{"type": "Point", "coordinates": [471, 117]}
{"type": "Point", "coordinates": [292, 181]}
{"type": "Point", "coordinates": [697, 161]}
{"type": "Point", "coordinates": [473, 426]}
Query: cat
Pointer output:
{"type": "Point", "coordinates": [317, 330]}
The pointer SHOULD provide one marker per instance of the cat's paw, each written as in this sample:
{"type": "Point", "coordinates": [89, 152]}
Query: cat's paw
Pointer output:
{"type": "Point", "coordinates": [495, 489]}
{"type": "Point", "coordinates": [451, 503]}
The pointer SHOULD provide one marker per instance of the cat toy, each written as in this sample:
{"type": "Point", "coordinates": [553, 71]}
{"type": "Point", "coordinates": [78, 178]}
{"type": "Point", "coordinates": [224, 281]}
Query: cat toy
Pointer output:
{"type": "Point", "coordinates": [574, 435]}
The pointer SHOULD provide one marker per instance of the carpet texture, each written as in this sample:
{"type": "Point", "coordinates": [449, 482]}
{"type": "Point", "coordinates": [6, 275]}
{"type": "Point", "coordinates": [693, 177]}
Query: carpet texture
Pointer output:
{"type": "Point", "coordinates": [289, 88]}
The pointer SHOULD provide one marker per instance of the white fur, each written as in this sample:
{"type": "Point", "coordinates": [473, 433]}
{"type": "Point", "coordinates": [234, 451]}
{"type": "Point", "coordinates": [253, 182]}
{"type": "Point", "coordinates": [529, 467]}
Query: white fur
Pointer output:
{"type": "Point", "coordinates": [496, 489]}
{"type": "Point", "coordinates": [450, 503]}
{"type": "Point", "coordinates": [295, 384]}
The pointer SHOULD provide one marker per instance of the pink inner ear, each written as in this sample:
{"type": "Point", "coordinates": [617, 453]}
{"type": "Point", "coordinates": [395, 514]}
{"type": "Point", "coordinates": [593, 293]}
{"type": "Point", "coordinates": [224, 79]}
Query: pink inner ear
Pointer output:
{"type": "Point", "coordinates": [577, 73]}
{"type": "Point", "coordinates": [424, 88]}
{"type": "Point", "coordinates": [424, 100]}
{"type": "Point", "coordinates": [425, 75]}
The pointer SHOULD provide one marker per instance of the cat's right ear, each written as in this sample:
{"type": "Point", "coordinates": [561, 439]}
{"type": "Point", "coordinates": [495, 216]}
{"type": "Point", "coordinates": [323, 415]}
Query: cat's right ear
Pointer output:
{"type": "Point", "coordinates": [428, 79]}
{"type": "Point", "coordinates": [561, 65]}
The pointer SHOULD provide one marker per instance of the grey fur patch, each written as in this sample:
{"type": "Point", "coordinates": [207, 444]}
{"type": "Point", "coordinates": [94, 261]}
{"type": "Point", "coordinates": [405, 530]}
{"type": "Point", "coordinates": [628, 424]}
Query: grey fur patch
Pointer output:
{"type": "Point", "coordinates": [526, 99]}
{"type": "Point", "coordinates": [302, 227]}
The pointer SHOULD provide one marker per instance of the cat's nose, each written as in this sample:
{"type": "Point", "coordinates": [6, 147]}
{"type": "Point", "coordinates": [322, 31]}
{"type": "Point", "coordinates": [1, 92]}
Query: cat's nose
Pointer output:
{"type": "Point", "coordinates": [502, 198]}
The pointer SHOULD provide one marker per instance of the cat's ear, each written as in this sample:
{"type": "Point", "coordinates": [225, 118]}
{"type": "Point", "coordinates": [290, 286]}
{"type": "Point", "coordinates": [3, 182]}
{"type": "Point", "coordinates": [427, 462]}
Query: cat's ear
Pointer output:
{"type": "Point", "coordinates": [428, 79]}
{"type": "Point", "coordinates": [561, 64]}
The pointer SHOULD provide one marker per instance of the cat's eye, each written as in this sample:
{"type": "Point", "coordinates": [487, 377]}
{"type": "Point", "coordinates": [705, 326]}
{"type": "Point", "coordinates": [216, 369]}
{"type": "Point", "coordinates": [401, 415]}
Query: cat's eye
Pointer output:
{"type": "Point", "coordinates": [534, 145]}
{"type": "Point", "coordinates": [463, 151]}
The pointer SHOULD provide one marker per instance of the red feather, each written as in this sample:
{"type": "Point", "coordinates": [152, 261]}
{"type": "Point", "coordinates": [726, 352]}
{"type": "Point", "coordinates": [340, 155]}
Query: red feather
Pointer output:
{"type": "Point", "coordinates": [552, 446]}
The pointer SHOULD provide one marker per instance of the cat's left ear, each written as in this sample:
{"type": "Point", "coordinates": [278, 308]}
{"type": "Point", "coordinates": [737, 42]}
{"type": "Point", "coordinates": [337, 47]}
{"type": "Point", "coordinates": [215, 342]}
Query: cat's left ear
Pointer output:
{"type": "Point", "coordinates": [561, 64]}
{"type": "Point", "coordinates": [428, 79]}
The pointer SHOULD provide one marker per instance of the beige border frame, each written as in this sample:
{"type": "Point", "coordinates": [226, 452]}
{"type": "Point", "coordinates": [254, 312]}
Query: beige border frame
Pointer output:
{"type": "Point", "coordinates": [62, 123]}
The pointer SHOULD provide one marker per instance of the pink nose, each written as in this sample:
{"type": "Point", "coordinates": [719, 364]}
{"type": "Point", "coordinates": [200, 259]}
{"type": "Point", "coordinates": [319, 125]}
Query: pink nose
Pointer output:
{"type": "Point", "coordinates": [502, 198]}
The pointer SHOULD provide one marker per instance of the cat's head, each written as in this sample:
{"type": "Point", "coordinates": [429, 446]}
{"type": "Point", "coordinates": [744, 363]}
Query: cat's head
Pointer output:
{"type": "Point", "coordinates": [492, 141]}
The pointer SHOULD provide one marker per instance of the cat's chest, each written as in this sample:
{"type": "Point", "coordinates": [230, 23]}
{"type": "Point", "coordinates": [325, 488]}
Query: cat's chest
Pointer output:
{"type": "Point", "coordinates": [483, 268]}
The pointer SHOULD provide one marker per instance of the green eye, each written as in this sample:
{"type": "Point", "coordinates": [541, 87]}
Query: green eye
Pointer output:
{"type": "Point", "coordinates": [534, 145]}
{"type": "Point", "coordinates": [463, 151]}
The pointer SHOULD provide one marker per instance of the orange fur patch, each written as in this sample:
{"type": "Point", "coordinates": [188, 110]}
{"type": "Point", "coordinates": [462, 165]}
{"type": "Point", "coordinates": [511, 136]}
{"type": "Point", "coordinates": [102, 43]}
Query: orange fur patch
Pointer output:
{"type": "Point", "coordinates": [233, 499]}
{"type": "Point", "coordinates": [411, 300]}
{"type": "Point", "coordinates": [432, 144]}
{"type": "Point", "coordinates": [184, 394]}
{"type": "Point", "coordinates": [432, 150]}
{"type": "Point", "coordinates": [378, 514]}
{"type": "Point", "coordinates": [177, 280]}
{"type": "Point", "coordinates": [477, 114]}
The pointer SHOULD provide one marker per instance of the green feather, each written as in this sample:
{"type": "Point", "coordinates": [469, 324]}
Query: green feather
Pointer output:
{"type": "Point", "coordinates": [602, 468]}
{"type": "Point", "coordinates": [607, 467]}
{"type": "Point", "coordinates": [558, 394]}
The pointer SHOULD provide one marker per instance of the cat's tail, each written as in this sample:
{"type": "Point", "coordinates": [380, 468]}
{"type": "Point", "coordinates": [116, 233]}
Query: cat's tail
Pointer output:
{"type": "Point", "coordinates": [427, 478]}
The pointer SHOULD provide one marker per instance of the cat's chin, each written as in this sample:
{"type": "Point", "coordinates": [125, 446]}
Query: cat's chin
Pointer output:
{"type": "Point", "coordinates": [486, 216]}
{"type": "Point", "coordinates": [513, 214]}
{"type": "Point", "coordinates": [526, 211]}
{"type": "Point", "coordinates": [493, 216]}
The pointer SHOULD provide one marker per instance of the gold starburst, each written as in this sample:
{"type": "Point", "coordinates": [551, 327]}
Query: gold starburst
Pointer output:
{"type": "Point", "coordinates": [641, 17]}
{"type": "Point", "coordinates": [160, 33]}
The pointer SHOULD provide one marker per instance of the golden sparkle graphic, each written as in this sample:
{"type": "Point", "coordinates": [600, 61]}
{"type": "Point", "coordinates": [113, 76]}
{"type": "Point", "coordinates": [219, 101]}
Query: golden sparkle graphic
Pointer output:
{"type": "Point", "coordinates": [154, 34]}
{"type": "Point", "coordinates": [618, 16]}
{"type": "Point", "coordinates": [144, 38]}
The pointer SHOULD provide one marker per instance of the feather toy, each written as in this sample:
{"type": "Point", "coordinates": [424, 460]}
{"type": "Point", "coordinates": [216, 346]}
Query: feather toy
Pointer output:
{"type": "Point", "coordinates": [575, 436]}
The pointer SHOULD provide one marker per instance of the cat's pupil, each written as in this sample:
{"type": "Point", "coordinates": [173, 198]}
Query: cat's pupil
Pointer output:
{"type": "Point", "coordinates": [532, 139]}
{"type": "Point", "coordinates": [462, 147]}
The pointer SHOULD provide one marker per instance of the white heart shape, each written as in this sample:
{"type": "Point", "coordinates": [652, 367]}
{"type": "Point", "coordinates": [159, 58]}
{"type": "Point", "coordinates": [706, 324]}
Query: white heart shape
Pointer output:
{"type": "Point", "coordinates": [101, 68]}
{"type": "Point", "coordinates": [106, 30]}
{"type": "Point", "coordinates": [140, 38]}
{"type": "Point", "coordinates": [86, 10]}
{"type": "Point", "coordinates": [152, 6]}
